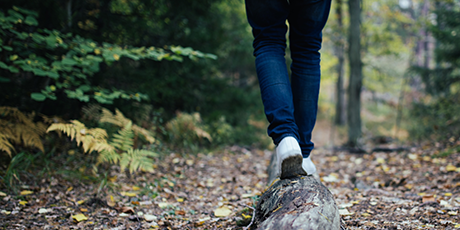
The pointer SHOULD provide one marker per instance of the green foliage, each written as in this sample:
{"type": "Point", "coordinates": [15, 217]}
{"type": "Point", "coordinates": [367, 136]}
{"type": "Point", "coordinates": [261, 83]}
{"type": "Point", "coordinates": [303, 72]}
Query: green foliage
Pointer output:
{"type": "Point", "coordinates": [437, 116]}
{"type": "Point", "coordinates": [67, 61]}
{"type": "Point", "coordinates": [117, 150]}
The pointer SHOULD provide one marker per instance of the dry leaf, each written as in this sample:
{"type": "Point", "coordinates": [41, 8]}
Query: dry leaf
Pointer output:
{"type": "Point", "coordinates": [83, 209]}
{"type": "Point", "coordinates": [451, 168]}
{"type": "Point", "coordinates": [345, 212]}
{"type": "Point", "coordinates": [125, 210]}
{"type": "Point", "coordinates": [222, 212]}
{"type": "Point", "coordinates": [129, 194]}
{"type": "Point", "coordinates": [2, 194]}
{"type": "Point", "coordinates": [428, 198]}
{"type": "Point", "coordinates": [79, 217]}
{"type": "Point", "coordinates": [150, 218]}
{"type": "Point", "coordinates": [163, 204]}
{"type": "Point", "coordinates": [179, 212]}
{"type": "Point", "coordinates": [26, 192]}
{"type": "Point", "coordinates": [69, 189]}
{"type": "Point", "coordinates": [80, 201]}
{"type": "Point", "coordinates": [135, 188]}
{"type": "Point", "coordinates": [23, 202]}
{"type": "Point", "coordinates": [43, 210]}
{"type": "Point", "coordinates": [180, 199]}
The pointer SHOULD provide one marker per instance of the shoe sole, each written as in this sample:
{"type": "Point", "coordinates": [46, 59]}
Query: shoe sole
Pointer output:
{"type": "Point", "coordinates": [292, 167]}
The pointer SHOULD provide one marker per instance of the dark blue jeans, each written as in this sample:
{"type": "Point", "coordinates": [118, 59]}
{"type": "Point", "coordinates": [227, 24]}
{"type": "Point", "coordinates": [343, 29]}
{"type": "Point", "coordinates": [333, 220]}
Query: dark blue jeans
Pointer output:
{"type": "Point", "coordinates": [290, 106]}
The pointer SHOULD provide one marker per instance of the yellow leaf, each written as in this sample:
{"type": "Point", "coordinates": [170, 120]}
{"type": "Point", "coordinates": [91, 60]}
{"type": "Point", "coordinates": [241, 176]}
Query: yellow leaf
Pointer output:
{"type": "Point", "coordinates": [451, 168]}
{"type": "Point", "coordinates": [180, 199]}
{"type": "Point", "coordinates": [448, 194]}
{"type": "Point", "coordinates": [2, 194]}
{"type": "Point", "coordinates": [25, 192]}
{"type": "Point", "coordinates": [113, 179]}
{"type": "Point", "coordinates": [130, 194]}
{"type": "Point", "coordinates": [380, 160]}
{"type": "Point", "coordinates": [23, 202]}
{"type": "Point", "coordinates": [365, 214]}
{"type": "Point", "coordinates": [222, 212]}
{"type": "Point", "coordinates": [457, 226]}
{"type": "Point", "coordinates": [69, 189]}
{"type": "Point", "coordinates": [135, 188]}
{"type": "Point", "coordinates": [409, 186]}
{"type": "Point", "coordinates": [246, 216]}
{"type": "Point", "coordinates": [116, 57]}
{"type": "Point", "coordinates": [162, 205]}
{"type": "Point", "coordinates": [97, 51]}
{"type": "Point", "coordinates": [80, 217]}
{"type": "Point", "coordinates": [83, 209]}
{"type": "Point", "coordinates": [80, 201]}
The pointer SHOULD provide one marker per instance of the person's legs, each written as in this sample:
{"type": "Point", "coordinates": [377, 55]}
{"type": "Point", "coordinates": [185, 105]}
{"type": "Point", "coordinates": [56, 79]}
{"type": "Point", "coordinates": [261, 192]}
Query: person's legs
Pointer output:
{"type": "Point", "coordinates": [306, 20]}
{"type": "Point", "coordinates": [268, 20]}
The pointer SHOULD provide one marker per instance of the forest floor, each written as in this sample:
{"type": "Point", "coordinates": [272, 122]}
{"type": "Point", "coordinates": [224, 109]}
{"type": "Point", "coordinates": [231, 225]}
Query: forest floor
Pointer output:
{"type": "Point", "coordinates": [414, 189]}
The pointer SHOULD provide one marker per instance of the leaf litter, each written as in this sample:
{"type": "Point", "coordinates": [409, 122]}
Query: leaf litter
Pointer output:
{"type": "Point", "coordinates": [398, 190]}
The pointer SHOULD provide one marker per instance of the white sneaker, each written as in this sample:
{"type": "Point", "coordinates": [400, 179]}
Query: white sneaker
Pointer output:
{"type": "Point", "coordinates": [289, 158]}
{"type": "Point", "coordinates": [308, 166]}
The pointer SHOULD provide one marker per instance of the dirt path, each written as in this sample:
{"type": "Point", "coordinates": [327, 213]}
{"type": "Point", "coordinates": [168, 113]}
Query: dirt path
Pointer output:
{"type": "Point", "coordinates": [408, 190]}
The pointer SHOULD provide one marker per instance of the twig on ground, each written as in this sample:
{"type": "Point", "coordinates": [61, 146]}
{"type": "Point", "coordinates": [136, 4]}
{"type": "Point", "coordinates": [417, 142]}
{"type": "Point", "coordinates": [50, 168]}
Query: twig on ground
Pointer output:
{"type": "Point", "coordinates": [253, 215]}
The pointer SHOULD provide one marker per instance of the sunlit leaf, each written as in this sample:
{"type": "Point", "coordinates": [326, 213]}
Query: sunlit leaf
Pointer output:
{"type": "Point", "coordinates": [79, 217]}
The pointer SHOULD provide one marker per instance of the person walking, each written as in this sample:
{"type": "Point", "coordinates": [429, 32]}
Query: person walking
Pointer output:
{"type": "Point", "coordinates": [290, 105]}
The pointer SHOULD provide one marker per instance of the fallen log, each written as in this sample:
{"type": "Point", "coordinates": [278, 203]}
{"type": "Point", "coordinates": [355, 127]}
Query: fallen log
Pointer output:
{"type": "Point", "coordinates": [296, 203]}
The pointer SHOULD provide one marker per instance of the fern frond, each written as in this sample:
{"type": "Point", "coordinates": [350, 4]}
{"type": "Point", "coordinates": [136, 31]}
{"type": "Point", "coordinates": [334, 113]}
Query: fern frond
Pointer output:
{"type": "Point", "coordinates": [145, 133]}
{"type": "Point", "coordinates": [118, 119]}
{"type": "Point", "coordinates": [106, 156]}
{"type": "Point", "coordinates": [5, 145]}
{"type": "Point", "coordinates": [123, 140]}
{"type": "Point", "coordinates": [20, 128]}
{"type": "Point", "coordinates": [92, 112]}
{"type": "Point", "coordinates": [91, 139]}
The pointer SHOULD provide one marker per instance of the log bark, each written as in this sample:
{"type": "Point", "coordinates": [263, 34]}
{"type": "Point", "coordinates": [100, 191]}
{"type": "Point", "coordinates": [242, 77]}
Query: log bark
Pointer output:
{"type": "Point", "coordinates": [296, 203]}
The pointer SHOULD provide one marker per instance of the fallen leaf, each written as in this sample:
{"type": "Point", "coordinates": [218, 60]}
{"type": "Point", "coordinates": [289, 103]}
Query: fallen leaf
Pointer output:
{"type": "Point", "coordinates": [2, 194]}
{"type": "Point", "coordinates": [452, 213]}
{"type": "Point", "coordinates": [43, 210]}
{"type": "Point", "coordinates": [447, 194]}
{"type": "Point", "coordinates": [179, 212]}
{"type": "Point", "coordinates": [135, 188]}
{"type": "Point", "coordinates": [125, 210]}
{"type": "Point", "coordinates": [111, 201]}
{"type": "Point", "coordinates": [83, 209]}
{"type": "Point", "coordinates": [222, 212]}
{"type": "Point", "coordinates": [380, 160]}
{"type": "Point", "coordinates": [451, 168]}
{"type": "Point", "coordinates": [150, 218]}
{"type": "Point", "coordinates": [129, 194]}
{"type": "Point", "coordinates": [23, 202]}
{"type": "Point", "coordinates": [412, 156]}
{"type": "Point", "coordinates": [202, 221]}
{"type": "Point", "coordinates": [69, 189]}
{"type": "Point", "coordinates": [345, 212]}
{"type": "Point", "coordinates": [162, 205]}
{"type": "Point", "coordinates": [428, 198]}
{"type": "Point", "coordinates": [135, 202]}
{"type": "Point", "coordinates": [180, 199]}
{"type": "Point", "coordinates": [26, 192]}
{"type": "Point", "coordinates": [79, 217]}
{"type": "Point", "coordinates": [409, 186]}
{"type": "Point", "coordinates": [5, 212]}
{"type": "Point", "coordinates": [246, 216]}
{"type": "Point", "coordinates": [80, 201]}
{"type": "Point", "coordinates": [365, 214]}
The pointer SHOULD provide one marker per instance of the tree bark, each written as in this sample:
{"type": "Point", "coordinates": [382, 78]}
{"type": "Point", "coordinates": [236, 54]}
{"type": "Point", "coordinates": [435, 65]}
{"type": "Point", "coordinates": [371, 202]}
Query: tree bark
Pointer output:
{"type": "Point", "coordinates": [339, 50]}
{"type": "Point", "coordinates": [355, 84]}
{"type": "Point", "coordinates": [296, 203]}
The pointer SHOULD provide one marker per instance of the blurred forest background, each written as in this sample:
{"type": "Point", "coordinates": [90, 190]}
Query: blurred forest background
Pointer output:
{"type": "Point", "coordinates": [130, 80]}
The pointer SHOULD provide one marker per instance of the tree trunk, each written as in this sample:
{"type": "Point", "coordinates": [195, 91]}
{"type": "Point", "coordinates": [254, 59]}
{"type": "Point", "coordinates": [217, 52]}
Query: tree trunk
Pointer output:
{"type": "Point", "coordinates": [354, 87]}
{"type": "Point", "coordinates": [339, 52]}
{"type": "Point", "coordinates": [296, 203]}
